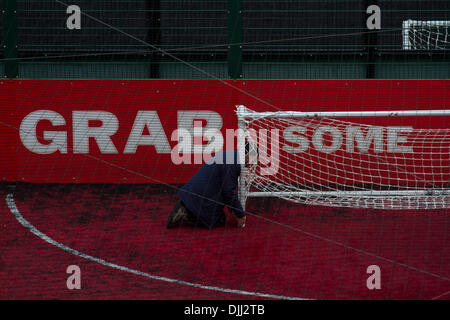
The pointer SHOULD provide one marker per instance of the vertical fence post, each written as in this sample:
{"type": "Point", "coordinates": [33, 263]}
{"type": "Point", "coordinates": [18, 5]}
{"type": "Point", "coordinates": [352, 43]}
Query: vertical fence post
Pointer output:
{"type": "Point", "coordinates": [154, 35]}
{"type": "Point", "coordinates": [370, 40]}
{"type": "Point", "coordinates": [234, 18]}
{"type": "Point", "coordinates": [10, 52]}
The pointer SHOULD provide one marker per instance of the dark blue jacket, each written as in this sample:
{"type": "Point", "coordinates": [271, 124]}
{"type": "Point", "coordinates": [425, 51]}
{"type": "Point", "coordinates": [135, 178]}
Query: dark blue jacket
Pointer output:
{"type": "Point", "coordinates": [213, 186]}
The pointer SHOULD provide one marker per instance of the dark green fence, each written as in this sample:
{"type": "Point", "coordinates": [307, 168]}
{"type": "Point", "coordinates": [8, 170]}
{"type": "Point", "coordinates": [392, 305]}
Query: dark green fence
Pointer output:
{"type": "Point", "coordinates": [139, 39]}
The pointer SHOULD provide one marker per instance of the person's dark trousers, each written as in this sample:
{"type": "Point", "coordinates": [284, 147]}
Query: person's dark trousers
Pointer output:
{"type": "Point", "coordinates": [191, 219]}
{"type": "Point", "coordinates": [198, 223]}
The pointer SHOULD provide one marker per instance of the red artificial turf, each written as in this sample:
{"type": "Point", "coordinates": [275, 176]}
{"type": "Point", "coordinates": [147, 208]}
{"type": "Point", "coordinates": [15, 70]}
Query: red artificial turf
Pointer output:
{"type": "Point", "coordinates": [285, 250]}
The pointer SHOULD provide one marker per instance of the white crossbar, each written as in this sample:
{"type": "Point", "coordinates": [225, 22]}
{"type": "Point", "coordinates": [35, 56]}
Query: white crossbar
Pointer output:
{"type": "Point", "coordinates": [243, 113]}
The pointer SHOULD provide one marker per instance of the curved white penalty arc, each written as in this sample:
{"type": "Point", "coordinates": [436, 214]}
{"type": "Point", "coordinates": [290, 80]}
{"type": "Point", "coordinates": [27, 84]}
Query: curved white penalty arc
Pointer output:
{"type": "Point", "coordinates": [13, 208]}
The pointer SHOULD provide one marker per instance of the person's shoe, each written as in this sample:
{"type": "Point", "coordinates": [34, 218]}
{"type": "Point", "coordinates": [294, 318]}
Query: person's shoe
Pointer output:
{"type": "Point", "coordinates": [177, 216]}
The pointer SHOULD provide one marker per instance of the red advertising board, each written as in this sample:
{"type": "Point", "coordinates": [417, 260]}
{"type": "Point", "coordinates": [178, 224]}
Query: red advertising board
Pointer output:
{"type": "Point", "coordinates": [120, 131]}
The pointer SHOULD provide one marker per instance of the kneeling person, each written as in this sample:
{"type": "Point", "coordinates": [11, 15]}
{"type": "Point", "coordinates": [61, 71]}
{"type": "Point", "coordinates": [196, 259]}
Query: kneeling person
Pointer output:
{"type": "Point", "coordinates": [213, 187]}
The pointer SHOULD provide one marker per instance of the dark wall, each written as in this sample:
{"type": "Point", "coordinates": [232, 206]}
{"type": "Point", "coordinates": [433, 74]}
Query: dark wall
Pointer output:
{"type": "Point", "coordinates": [324, 25]}
{"type": "Point", "coordinates": [42, 26]}
{"type": "Point", "coordinates": [281, 39]}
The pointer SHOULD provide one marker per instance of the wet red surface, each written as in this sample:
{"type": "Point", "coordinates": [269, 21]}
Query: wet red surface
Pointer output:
{"type": "Point", "coordinates": [285, 250]}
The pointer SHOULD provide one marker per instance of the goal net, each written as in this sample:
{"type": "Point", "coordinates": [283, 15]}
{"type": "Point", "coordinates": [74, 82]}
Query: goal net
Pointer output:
{"type": "Point", "coordinates": [320, 159]}
{"type": "Point", "coordinates": [426, 35]}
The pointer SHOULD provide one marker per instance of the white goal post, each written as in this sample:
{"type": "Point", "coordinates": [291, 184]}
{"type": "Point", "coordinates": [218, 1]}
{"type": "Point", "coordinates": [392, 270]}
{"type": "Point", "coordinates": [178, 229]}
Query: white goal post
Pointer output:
{"type": "Point", "coordinates": [324, 160]}
{"type": "Point", "coordinates": [426, 35]}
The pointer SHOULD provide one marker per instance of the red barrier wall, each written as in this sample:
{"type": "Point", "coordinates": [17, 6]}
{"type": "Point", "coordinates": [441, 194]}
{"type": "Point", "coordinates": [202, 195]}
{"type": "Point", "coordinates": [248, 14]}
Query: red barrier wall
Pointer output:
{"type": "Point", "coordinates": [124, 98]}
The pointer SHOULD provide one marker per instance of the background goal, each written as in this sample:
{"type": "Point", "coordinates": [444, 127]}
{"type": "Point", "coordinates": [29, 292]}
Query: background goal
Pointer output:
{"type": "Point", "coordinates": [426, 35]}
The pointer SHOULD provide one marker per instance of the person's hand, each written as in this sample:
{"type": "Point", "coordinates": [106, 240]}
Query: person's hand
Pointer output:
{"type": "Point", "coordinates": [241, 221]}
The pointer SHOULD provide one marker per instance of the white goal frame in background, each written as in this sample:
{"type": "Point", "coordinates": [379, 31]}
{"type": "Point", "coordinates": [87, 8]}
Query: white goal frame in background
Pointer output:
{"type": "Point", "coordinates": [246, 115]}
{"type": "Point", "coordinates": [409, 24]}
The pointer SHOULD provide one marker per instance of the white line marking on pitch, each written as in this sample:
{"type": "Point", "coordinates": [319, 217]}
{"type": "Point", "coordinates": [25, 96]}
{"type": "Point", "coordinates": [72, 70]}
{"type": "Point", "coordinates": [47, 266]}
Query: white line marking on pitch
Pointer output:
{"type": "Point", "coordinates": [13, 208]}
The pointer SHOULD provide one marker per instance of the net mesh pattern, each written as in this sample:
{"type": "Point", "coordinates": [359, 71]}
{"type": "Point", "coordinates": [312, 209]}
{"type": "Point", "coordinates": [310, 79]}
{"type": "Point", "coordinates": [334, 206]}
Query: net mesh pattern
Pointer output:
{"type": "Point", "coordinates": [326, 161]}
